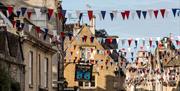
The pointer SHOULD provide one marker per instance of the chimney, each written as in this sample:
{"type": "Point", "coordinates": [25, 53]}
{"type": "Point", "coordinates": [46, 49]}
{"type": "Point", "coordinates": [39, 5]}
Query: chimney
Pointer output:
{"type": "Point", "coordinates": [92, 24]}
{"type": "Point", "coordinates": [76, 28]}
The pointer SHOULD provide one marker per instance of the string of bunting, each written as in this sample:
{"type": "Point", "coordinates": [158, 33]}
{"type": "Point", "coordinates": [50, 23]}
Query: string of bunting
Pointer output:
{"type": "Point", "coordinates": [124, 14]}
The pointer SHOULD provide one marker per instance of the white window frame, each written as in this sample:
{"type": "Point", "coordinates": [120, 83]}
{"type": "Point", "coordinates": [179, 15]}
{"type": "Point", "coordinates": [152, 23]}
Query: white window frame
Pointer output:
{"type": "Point", "coordinates": [89, 84]}
{"type": "Point", "coordinates": [45, 72]}
{"type": "Point", "coordinates": [30, 68]}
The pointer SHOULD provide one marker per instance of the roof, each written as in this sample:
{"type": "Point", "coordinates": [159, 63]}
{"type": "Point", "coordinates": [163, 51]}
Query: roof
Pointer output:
{"type": "Point", "coordinates": [173, 62]}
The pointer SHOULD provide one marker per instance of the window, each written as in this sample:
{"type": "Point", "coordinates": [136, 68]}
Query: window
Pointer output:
{"type": "Point", "coordinates": [87, 53]}
{"type": "Point", "coordinates": [39, 59]}
{"type": "Point", "coordinates": [46, 72]}
{"type": "Point", "coordinates": [30, 67]}
{"type": "Point", "coordinates": [91, 84]}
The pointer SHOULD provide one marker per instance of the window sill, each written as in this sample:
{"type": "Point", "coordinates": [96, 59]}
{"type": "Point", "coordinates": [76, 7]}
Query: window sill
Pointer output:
{"type": "Point", "coordinates": [30, 85]}
{"type": "Point", "coordinates": [88, 87]}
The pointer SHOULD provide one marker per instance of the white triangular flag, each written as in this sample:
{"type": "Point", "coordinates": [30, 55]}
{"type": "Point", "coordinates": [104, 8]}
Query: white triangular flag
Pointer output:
{"type": "Point", "coordinates": [111, 50]}
{"type": "Point", "coordinates": [78, 13]}
{"type": "Point", "coordinates": [114, 13]}
{"type": "Point", "coordinates": [167, 13]}
{"type": "Point", "coordinates": [69, 15]}
{"type": "Point", "coordinates": [100, 16]}
{"type": "Point", "coordinates": [117, 40]}
{"type": "Point", "coordinates": [150, 11]}
{"type": "Point", "coordinates": [38, 12]}
{"type": "Point", "coordinates": [30, 27]}
{"type": "Point", "coordinates": [129, 49]}
{"type": "Point", "coordinates": [133, 15]}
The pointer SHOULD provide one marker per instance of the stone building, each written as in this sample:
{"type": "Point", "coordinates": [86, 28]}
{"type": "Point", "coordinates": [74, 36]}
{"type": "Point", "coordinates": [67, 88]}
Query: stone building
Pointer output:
{"type": "Point", "coordinates": [37, 49]}
{"type": "Point", "coordinates": [83, 47]}
{"type": "Point", "coordinates": [11, 60]}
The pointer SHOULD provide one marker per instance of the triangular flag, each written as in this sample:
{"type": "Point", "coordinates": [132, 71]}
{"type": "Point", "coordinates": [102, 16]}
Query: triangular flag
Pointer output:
{"type": "Point", "coordinates": [174, 12]}
{"type": "Point", "coordinates": [155, 13]}
{"type": "Point", "coordinates": [123, 15]}
{"type": "Point", "coordinates": [23, 10]}
{"type": "Point", "coordinates": [177, 42]}
{"type": "Point", "coordinates": [60, 15]}
{"type": "Point", "coordinates": [144, 14]}
{"type": "Point", "coordinates": [112, 16]}
{"type": "Point", "coordinates": [123, 42]}
{"type": "Point", "coordinates": [85, 38]}
{"type": "Point", "coordinates": [30, 27]}
{"type": "Point", "coordinates": [132, 15]}
{"type": "Point", "coordinates": [132, 54]}
{"type": "Point", "coordinates": [162, 12]}
{"type": "Point", "coordinates": [138, 13]}
{"type": "Point", "coordinates": [13, 23]}
{"type": "Point", "coordinates": [18, 13]}
{"type": "Point", "coordinates": [29, 13]}
{"type": "Point", "coordinates": [92, 39]}
{"type": "Point", "coordinates": [90, 14]}
{"type": "Point", "coordinates": [64, 13]}
{"type": "Point", "coordinates": [69, 16]}
{"type": "Point", "coordinates": [127, 12]}
{"type": "Point", "coordinates": [46, 32]}
{"type": "Point", "coordinates": [129, 42]}
{"type": "Point", "coordinates": [80, 16]}
{"type": "Point", "coordinates": [150, 13]}
{"type": "Point", "coordinates": [103, 13]}
{"type": "Point", "coordinates": [136, 42]}
{"type": "Point", "coordinates": [10, 9]}
{"type": "Point", "coordinates": [150, 42]}
{"type": "Point", "coordinates": [38, 12]}
{"type": "Point", "coordinates": [22, 25]}
{"type": "Point", "coordinates": [114, 13]}
{"type": "Point", "coordinates": [38, 29]}
{"type": "Point", "coordinates": [144, 42]}
{"type": "Point", "coordinates": [78, 13]}
{"type": "Point", "coordinates": [50, 12]}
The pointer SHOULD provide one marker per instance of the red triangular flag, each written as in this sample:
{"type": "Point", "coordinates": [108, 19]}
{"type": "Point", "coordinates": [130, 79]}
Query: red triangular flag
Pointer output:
{"type": "Point", "coordinates": [127, 13]}
{"type": "Point", "coordinates": [13, 23]}
{"type": "Point", "coordinates": [38, 29]}
{"type": "Point", "coordinates": [60, 15]}
{"type": "Point", "coordinates": [162, 12]}
{"type": "Point", "coordinates": [156, 13]}
{"type": "Point", "coordinates": [177, 42]}
{"type": "Point", "coordinates": [150, 42]}
{"type": "Point", "coordinates": [123, 15]}
{"type": "Point", "coordinates": [85, 38]}
{"type": "Point", "coordinates": [129, 42]}
{"type": "Point", "coordinates": [50, 12]}
{"type": "Point", "coordinates": [90, 14]}
{"type": "Point", "coordinates": [62, 34]}
{"type": "Point", "coordinates": [10, 10]}
{"type": "Point", "coordinates": [29, 14]}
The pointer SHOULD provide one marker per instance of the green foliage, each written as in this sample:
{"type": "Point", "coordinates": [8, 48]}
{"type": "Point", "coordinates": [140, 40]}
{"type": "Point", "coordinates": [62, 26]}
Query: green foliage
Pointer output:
{"type": "Point", "coordinates": [7, 83]}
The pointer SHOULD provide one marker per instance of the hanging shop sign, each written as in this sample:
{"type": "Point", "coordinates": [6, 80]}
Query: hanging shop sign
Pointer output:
{"type": "Point", "coordinates": [83, 72]}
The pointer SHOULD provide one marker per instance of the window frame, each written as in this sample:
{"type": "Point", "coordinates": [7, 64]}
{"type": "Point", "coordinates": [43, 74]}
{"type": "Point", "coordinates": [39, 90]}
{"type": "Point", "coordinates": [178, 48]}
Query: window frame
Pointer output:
{"type": "Point", "coordinates": [30, 69]}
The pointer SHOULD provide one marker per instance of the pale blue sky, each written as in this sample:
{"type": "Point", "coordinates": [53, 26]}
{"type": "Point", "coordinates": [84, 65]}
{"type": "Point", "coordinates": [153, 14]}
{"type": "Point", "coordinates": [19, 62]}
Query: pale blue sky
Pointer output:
{"type": "Point", "coordinates": [130, 28]}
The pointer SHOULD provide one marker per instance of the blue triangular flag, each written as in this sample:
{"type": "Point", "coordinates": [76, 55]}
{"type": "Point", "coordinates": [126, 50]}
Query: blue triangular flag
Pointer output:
{"type": "Point", "coordinates": [174, 12]}
{"type": "Point", "coordinates": [64, 12]}
{"type": "Point", "coordinates": [144, 14]}
{"type": "Point", "coordinates": [23, 10]}
{"type": "Point", "coordinates": [138, 13]}
{"type": "Point", "coordinates": [46, 32]}
{"type": "Point", "coordinates": [112, 16]}
{"type": "Point", "coordinates": [80, 16]}
{"type": "Point", "coordinates": [179, 13]}
{"type": "Point", "coordinates": [18, 13]}
{"type": "Point", "coordinates": [103, 13]}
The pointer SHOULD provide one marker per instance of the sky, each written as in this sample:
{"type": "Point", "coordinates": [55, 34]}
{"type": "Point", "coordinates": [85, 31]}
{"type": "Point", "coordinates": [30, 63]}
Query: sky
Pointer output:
{"type": "Point", "coordinates": [137, 28]}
